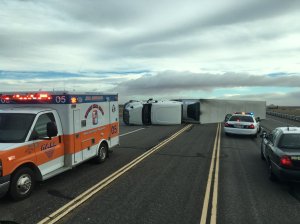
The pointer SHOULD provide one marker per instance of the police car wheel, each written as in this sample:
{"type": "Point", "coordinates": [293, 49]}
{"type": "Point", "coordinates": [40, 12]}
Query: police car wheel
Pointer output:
{"type": "Point", "coordinates": [22, 183]}
{"type": "Point", "coordinates": [102, 153]}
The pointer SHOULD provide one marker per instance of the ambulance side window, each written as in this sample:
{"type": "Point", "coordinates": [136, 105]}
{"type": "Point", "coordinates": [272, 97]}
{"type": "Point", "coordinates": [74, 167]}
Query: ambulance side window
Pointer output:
{"type": "Point", "coordinates": [40, 127]}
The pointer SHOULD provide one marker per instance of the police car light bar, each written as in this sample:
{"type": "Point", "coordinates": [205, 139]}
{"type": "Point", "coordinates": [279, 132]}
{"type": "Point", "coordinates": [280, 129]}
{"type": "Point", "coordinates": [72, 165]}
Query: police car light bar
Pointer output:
{"type": "Point", "coordinates": [244, 113]}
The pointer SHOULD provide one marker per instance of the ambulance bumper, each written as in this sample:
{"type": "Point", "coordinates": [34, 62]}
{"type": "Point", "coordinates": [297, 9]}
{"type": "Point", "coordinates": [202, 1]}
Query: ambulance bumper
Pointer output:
{"type": "Point", "coordinates": [4, 184]}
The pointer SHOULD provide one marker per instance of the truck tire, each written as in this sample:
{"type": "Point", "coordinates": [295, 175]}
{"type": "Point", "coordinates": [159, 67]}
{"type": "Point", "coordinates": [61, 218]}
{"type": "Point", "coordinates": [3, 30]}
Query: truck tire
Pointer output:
{"type": "Point", "coordinates": [22, 183]}
{"type": "Point", "coordinates": [102, 153]}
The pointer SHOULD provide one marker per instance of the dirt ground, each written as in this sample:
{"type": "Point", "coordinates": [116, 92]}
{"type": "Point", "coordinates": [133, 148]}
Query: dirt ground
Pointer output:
{"type": "Point", "coordinates": [287, 110]}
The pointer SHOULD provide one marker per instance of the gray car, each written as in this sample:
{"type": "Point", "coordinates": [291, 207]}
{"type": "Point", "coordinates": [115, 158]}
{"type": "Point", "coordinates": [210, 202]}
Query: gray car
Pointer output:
{"type": "Point", "coordinates": [281, 150]}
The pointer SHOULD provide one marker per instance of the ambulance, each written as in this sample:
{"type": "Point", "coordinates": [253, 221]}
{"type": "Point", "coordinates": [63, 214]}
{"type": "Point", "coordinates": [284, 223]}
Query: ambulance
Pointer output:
{"type": "Point", "coordinates": [43, 134]}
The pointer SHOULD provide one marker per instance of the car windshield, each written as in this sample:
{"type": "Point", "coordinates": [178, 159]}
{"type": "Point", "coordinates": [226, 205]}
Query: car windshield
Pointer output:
{"type": "Point", "coordinates": [241, 118]}
{"type": "Point", "coordinates": [14, 127]}
{"type": "Point", "coordinates": [290, 141]}
{"type": "Point", "coordinates": [227, 117]}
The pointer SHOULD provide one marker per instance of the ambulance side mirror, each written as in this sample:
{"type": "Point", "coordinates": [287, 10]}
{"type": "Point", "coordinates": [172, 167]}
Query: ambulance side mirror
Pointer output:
{"type": "Point", "coordinates": [51, 129]}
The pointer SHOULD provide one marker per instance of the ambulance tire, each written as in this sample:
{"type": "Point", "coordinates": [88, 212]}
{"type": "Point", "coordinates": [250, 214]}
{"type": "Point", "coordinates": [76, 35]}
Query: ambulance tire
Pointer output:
{"type": "Point", "coordinates": [102, 153]}
{"type": "Point", "coordinates": [22, 183]}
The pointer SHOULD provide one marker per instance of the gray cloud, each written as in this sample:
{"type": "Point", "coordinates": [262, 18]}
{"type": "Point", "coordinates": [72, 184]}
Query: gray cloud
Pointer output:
{"type": "Point", "coordinates": [185, 37]}
{"type": "Point", "coordinates": [172, 82]}
{"type": "Point", "coordinates": [283, 99]}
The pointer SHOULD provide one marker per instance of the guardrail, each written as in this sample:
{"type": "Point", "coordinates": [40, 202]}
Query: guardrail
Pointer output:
{"type": "Point", "coordinates": [287, 116]}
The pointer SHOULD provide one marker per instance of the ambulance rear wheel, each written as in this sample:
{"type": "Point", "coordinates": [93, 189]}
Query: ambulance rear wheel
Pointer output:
{"type": "Point", "coordinates": [102, 153]}
{"type": "Point", "coordinates": [22, 183]}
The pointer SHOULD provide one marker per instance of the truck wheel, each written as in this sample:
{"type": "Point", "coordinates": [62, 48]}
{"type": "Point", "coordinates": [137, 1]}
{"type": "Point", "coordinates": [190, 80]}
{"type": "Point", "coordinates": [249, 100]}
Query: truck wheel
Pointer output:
{"type": "Point", "coordinates": [22, 183]}
{"type": "Point", "coordinates": [102, 153]}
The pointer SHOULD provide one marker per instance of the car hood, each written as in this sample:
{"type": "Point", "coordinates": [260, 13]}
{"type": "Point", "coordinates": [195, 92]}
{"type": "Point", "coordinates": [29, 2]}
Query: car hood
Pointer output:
{"type": "Point", "coordinates": [7, 146]}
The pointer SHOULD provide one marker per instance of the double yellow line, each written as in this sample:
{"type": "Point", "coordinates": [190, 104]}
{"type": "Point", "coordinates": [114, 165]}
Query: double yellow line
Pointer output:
{"type": "Point", "coordinates": [213, 178]}
{"type": "Point", "coordinates": [69, 207]}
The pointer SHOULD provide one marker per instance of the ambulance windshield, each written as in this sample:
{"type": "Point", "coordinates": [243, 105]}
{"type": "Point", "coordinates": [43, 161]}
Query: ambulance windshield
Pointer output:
{"type": "Point", "coordinates": [14, 127]}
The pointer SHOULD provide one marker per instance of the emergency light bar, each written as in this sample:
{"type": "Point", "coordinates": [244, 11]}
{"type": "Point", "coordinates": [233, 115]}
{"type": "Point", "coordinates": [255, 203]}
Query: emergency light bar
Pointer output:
{"type": "Point", "coordinates": [20, 97]}
{"type": "Point", "coordinates": [244, 113]}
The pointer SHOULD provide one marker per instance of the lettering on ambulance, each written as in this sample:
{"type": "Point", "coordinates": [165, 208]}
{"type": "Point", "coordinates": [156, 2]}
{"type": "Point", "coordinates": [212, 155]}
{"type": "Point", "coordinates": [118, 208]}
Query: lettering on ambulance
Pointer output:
{"type": "Point", "coordinates": [47, 150]}
{"type": "Point", "coordinates": [114, 129]}
{"type": "Point", "coordinates": [113, 109]}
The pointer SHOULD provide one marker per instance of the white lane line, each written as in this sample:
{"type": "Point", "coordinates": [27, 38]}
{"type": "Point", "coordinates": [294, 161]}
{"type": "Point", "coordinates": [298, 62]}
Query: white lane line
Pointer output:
{"type": "Point", "coordinates": [131, 132]}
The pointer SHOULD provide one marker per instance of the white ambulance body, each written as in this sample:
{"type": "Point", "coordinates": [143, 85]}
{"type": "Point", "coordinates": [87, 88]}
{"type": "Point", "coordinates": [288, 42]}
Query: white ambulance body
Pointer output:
{"type": "Point", "coordinates": [44, 134]}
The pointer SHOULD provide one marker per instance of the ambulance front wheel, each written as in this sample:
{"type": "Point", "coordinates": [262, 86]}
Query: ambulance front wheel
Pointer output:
{"type": "Point", "coordinates": [22, 183]}
{"type": "Point", "coordinates": [102, 153]}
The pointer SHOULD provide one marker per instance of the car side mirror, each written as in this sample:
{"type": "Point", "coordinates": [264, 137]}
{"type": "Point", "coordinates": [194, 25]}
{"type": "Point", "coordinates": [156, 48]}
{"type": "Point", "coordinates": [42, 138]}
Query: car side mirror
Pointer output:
{"type": "Point", "coordinates": [51, 129]}
{"type": "Point", "coordinates": [258, 119]}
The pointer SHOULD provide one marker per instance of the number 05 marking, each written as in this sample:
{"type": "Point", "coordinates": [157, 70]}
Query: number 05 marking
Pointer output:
{"type": "Point", "coordinates": [114, 129]}
{"type": "Point", "coordinates": [60, 99]}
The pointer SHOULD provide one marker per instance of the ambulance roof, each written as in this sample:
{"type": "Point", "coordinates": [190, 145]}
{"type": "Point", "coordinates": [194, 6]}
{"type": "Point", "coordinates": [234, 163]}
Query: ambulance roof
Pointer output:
{"type": "Point", "coordinates": [55, 97]}
{"type": "Point", "coordinates": [60, 92]}
{"type": "Point", "coordinates": [24, 110]}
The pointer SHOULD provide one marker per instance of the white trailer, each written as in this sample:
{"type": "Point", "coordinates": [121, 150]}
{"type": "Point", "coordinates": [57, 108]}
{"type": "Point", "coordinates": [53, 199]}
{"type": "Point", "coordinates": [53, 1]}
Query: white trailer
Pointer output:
{"type": "Point", "coordinates": [212, 110]}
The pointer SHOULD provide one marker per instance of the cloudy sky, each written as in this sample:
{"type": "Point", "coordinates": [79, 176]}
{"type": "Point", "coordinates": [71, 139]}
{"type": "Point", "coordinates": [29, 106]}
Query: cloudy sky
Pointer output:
{"type": "Point", "coordinates": [224, 49]}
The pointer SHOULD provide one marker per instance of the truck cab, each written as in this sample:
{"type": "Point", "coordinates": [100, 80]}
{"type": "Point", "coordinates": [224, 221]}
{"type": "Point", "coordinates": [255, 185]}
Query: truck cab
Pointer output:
{"type": "Point", "coordinates": [152, 112]}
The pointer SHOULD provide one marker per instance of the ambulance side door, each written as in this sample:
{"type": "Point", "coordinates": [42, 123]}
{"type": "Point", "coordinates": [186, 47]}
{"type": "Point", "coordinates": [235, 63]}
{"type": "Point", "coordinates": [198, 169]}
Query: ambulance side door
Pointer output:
{"type": "Point", "coordinates": [49, 151]}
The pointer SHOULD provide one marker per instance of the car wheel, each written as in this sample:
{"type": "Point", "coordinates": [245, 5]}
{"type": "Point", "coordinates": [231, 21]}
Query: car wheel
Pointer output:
{"type": "Point", "coordinates": [22, 183]}
{"type": "Point", "coordinates": [102, 153]}
{"type": "Point", "coordinates": [272, 176]}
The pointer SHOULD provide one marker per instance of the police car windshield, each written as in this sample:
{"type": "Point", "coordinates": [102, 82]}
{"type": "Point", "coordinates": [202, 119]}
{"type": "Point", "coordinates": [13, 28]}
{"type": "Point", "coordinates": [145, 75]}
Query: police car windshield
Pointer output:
{"type": "Point", "coordinates": [14, 127]}
{"type": "Point", "coordinates": [289, 141]}
{"type": "Point", "coordinates": [241, 118]}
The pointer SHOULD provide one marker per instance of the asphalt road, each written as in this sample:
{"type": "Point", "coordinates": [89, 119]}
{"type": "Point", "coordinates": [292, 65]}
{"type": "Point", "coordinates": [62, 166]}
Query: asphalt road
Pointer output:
{"type": "Point", "coordinates": [246, 194]}
{"type": "Point", "coordinates": [169, 186]}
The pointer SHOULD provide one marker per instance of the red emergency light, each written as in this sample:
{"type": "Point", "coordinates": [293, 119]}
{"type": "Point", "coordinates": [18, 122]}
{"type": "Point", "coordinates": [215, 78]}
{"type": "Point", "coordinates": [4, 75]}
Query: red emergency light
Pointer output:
{"type": "Point", "coordinates": [27, 97]}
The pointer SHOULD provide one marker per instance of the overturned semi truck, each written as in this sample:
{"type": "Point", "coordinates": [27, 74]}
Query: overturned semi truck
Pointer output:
{"type": "Point", "coordinates": [187, 110]}
{"type": "Point", "coordinates": [214, 110]}
{"type": "Point", "coordinates": [152, 112]}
